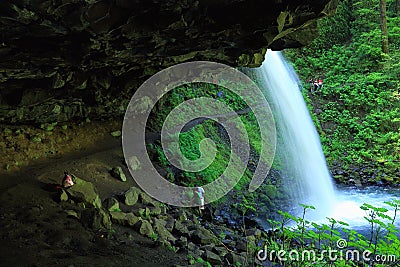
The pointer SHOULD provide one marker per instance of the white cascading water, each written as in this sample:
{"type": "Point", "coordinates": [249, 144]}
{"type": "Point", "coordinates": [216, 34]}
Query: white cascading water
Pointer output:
{"type": "Point", "coordinates": [299, 152]}
{"type": "Point", "coordinates": [299, 155]}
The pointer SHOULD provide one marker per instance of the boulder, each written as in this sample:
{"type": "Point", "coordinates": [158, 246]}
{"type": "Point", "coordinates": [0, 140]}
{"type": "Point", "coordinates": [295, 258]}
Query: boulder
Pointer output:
{"type": "Point", "coordinates": [241, 245]}
{"type": "Point", "coordinates": [134, 195]}
{"type": "Point", "coordinates": [131, 196]}
{"type": "Point", "coordinates": [253, 232]}
{"type": "Point", "coordinates": [163, 233]}
{"type": "Point", "coordinates": [212, 258]}
{"type": "Point", "coordinates": [131, 219]}
{"type": "Point", "coordinates": [156, 211]}
{"type": "Point", "coordinates": [73, 214]}
{"type": "Point", "coordinates": [221, 251]}
{"type": "Point", "coordinates": [180, 229]}
{"type": "Point", "coordinates": [192, 218]}
{"type": "Point", "coordinates": [95, 218]}
{"type": "Point", "coordinates": [63, 196]}
{"type": "Point", "coordinates": [118, 173]}
{"type": "Point", "coordinates": [111, 204]}
{"type": "Point", "coordinates": [182, 242]}
{"type": "Point", "coordinates": [170, 223]}
{"type": "Point", "coordinates": [122, 218]}
{"type": "Point", "coordinates": [143, 212]}
{"type": "Point", "coordinates": [203, 236]}
{"type": "Point", "coordinates": [388, 179]}
{"type": "Point", "coordinates": [195, 251]}
{"type": "Point", "coordinates": [180, 215]}
{"type": "Point", "coordinates": [147, 200]}
{"type": "Point", "coordinates": [85, 192]}
{"type": "Point", "coordinates": [144, 228]}
{"type": "Point", "coordinates": [191, 246]}
{"type": "Point", "coordinates": [235, 259]}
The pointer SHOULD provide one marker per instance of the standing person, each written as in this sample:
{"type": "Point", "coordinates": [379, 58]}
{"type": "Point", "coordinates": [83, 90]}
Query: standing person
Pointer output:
{"type": "Point", "coordinates": [320, 83]}
{"type": "Point", "coordinates": [200, 198]}
{"type": "Point", "coordinates": [311, 85]}
{"type": "Point", "coordinates": [315, 84]}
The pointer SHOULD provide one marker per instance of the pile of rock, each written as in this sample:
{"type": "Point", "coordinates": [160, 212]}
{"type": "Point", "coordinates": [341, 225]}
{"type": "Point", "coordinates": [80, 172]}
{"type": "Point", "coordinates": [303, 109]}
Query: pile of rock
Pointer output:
{"type": "Point", "coordinates": [175, 228]}
{"type": "Point", "coordinates": [86, 204]}
{"type": "Point", "coordinates": [373, 173]}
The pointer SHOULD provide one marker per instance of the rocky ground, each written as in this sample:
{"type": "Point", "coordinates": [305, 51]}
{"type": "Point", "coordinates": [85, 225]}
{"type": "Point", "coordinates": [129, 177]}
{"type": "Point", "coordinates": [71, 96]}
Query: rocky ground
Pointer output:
{"type": "Point", "coordinates": [367, 174]}
{"type": "Point", "coordinates": [103, 220]}
{"type": "Point", "coordinates": [41, 230]}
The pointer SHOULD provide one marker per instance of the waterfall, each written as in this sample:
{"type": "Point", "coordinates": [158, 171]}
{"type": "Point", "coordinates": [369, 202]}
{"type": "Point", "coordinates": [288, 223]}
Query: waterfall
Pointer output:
{"type": "Point", "coordinates": [299, 153]}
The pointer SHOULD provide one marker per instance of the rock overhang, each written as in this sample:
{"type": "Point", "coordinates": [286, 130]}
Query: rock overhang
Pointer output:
{"type": "Point", "coordinates": [72, 59]}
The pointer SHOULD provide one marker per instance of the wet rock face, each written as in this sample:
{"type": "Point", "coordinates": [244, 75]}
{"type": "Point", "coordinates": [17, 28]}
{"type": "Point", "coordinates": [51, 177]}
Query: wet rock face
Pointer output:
{"type": "Point", "coordinates": [66, 59]}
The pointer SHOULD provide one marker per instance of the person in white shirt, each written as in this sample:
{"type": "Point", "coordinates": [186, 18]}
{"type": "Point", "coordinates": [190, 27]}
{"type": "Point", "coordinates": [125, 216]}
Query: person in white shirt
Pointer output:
{"type": "Point", "coordinates": [200, 195]}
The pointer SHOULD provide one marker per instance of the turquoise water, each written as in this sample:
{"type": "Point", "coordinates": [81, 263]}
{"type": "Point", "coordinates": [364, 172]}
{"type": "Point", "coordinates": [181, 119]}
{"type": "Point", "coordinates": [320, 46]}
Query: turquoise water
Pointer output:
{"type": "Point", "coordinates": [349, 200]}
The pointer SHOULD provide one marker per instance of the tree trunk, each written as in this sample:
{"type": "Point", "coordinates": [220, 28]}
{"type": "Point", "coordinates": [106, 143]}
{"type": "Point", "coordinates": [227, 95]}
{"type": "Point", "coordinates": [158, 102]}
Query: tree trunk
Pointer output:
{"type": "Point", "coordinates": [385, 41]}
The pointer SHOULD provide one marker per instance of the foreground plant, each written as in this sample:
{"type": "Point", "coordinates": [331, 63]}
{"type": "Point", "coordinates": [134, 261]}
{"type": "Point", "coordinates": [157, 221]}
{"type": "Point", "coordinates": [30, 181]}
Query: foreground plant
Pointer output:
{"type": "Point", "coordinates": [294, 241]}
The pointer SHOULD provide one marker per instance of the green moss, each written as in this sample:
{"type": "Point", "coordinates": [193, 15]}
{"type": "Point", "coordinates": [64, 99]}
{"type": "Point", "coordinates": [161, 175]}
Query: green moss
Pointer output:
{"type": "Point", "coordinates": [270, 191]}
{"type": "Point", "coordinates": [48, 126]}
{"type": "Point", "coordinates": [36, 139]}
{"type": "Point", "coordinates": [189, 141]}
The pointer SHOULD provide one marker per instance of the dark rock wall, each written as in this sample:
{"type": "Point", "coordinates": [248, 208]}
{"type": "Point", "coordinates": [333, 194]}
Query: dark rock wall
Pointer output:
{"type": "Point", "coordinates": [65, 59]}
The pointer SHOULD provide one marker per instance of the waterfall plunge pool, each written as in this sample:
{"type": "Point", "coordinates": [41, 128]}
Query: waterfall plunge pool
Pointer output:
{"type": "Point", "coordinates": [300, 151]}
{"type": "Point", "coordinates": [349, 199]}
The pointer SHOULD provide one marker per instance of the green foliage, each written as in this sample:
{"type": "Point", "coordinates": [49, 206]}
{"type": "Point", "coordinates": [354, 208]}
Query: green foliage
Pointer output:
{"type": "Point", "coordinates": [358, 117]}
{"type": "Point", "coordinates": [144, 213]}
{"type": "Point", "coordinates": [116, 209]}
{"type": "Point", "coordinates": [246, 204]}
{"type": "Point", "coordinates": [336, 29]}
{"type": "Point", "coordinates": [197, 260]}
{"type": "Point", "coordinates": [154, 236]}
{"type": "Point", "coordinates": [222, 235]}
{"type": "Point", "coordinates": [310, 238]}
{"type": "Point", "coordinates": [190, 140]}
